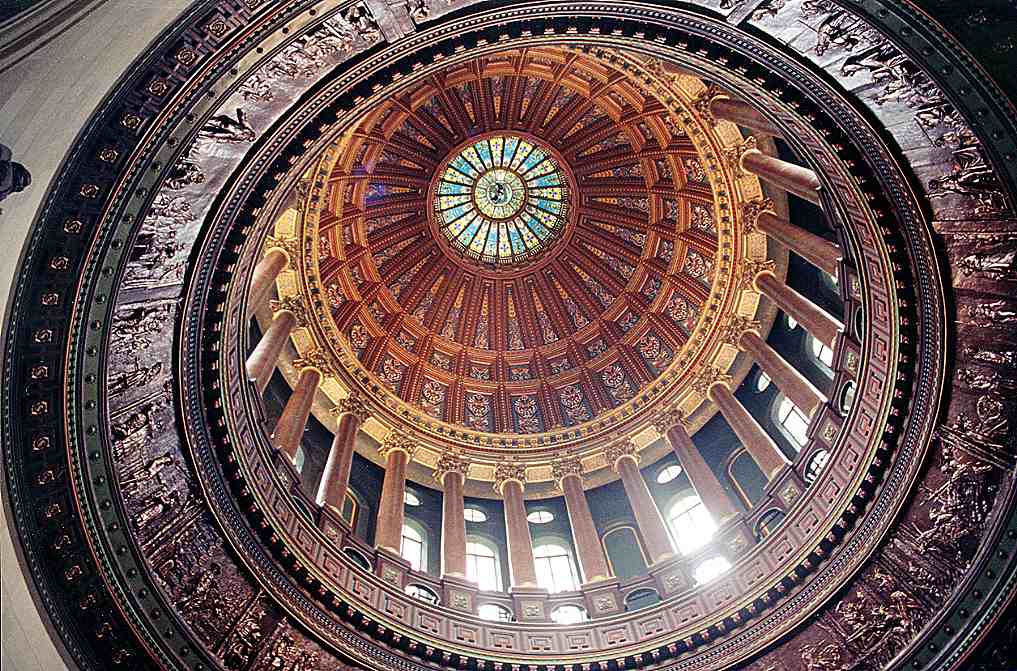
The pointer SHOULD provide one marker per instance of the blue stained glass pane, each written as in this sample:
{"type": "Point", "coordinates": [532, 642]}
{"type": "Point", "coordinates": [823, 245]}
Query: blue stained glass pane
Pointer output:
{"type": "Point", "coordinates": [451, 188]}
{"type": "Point", "coordinates": [509, 152]}
{"type": "Point", "coordinates": [483, 239]}
{"type": "Point", "coordinates": [491, 247]}
{"type": "Point", "coordinates": [485, 154]}
{"type": "Point", "coordinates": [471, 230]}
{"type": "Point", "coordinates": [517, 241]}
{"type": "Point", "coordinates": [464, 166]}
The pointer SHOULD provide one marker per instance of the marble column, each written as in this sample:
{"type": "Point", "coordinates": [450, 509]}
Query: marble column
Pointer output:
{"type": "Point", "coordinates": [388, 534]}
{"type": "Point", "coordinates": [791, 382]}
{"type": "Point", "coordinates": [509, 482]}
{"type": "Point", "coordinates": [623, 458]}
{"type": "Point", "coordinates": [264, 276]}
{"type": "Point", "coordinates": [713, 385]}
{"type": "Point", "coordinates": [795, 179]}
{"type": "Point", "coordinates": [568, 473]}
{"type": "Point", "coordinates": [813, 318]}
{"type": "Point", "coordinates": [818, 251]}
{"type": "Point", "coordinates": [743, 114]}
{"type": "Point", "coordinates": [335, 480]}
{"type": "Point", "coordinates": [290, 429]}
{"type": "Point", "coordinates": [701, 476]}
{"type": "Point", "coordinates": [450, 472]}
{"type": "Point", "coordinates": [261, 363]}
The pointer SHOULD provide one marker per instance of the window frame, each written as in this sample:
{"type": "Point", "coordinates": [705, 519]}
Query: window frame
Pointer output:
{"type": "Point", "coordinates": [553, 569]}
{"type": "Point", "coordinates": [418, 529]}
{"type": "Point", "coordinates": [495, 557]}
{"type": "Point", "coordinates": [782, 402]}
{"type": "Point", "coordinates": [697, 516]}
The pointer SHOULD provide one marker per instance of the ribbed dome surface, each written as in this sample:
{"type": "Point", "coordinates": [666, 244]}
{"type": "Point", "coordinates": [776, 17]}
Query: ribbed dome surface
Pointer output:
{"type": "Point", "coordinates": [545, 331]}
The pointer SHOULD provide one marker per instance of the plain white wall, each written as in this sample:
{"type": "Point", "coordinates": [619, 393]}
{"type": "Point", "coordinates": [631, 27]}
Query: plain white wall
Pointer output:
{"type": "Point", "coordinates": [44, 101]}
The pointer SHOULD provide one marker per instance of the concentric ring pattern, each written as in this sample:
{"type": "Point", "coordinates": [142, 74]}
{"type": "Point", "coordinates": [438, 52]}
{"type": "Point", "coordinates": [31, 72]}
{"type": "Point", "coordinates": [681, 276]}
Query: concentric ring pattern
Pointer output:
{"type": "Point", "coordinates": [502, 200]}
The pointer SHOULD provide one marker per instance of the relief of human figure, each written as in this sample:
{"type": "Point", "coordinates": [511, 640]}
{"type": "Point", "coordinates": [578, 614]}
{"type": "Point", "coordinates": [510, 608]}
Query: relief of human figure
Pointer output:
{"type": "Point", "coordinates": [228, 129]}
{"type": "Point", "coordinates": [155, 506]}
{"type": "Point", "coordinates": [135, 378]}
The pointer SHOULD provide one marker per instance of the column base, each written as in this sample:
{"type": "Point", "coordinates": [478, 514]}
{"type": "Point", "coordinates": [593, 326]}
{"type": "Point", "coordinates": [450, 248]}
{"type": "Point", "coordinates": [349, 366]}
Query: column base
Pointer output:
{"type": "Point", "coordinates": [530, 604]}
{"type": "Point", "coordinates": [603, 598]}
{"type": "Point", "coordinates": [459, 593]}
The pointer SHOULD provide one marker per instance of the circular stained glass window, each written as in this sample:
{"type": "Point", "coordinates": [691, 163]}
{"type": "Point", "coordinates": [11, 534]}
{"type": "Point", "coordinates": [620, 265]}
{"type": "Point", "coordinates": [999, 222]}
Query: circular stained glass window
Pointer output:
{"type": "Point", "coordinates": [502, 200]}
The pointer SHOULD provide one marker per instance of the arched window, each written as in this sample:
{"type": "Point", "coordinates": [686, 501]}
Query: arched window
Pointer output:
{"type": "Point", "coordinates": [624, 552]}
{"type": "Point", "coordinates": [768, 523]}
{"type": "Point", "coordinates": [299, 458]}
{"type": "Point", "coordinates": [475, 515]}
{"type": "Point", "coordinates": [494, 613]}
{"type": "Point", "coordinates": [555, 570]}
{"type": "Point", "coordinates": [641, 598]}
{"type": "Point", "coordinates": [711, 568]}
{"type": "Point", "coordinates": [762, 382]}
{"type": "Point", "coordinates": [482, 565]}
{"type": "Point", "coordinates": [745, 477]}
{"type": "Point", "coordinates": [569, 614]}
{"type": "Point", "coordinates": [793, 421]}
{"type": "Point", "coordinates": [668, 473]}
{"type": "Point", "coordinates": [350, 508]}
{"type": "Point", "coordinates": [425, 594]}
{"type": "Point", "coordinates": [821, 351]}
{"type": "Point", "coordinates": [357, 558]}
{"type": "Point", "coordinates": [816, 465]}
{"type": "Point", "coordinates": [847, 397]}
{"type": "Point", "coordinates": [690, 523]}
{"type": "Point", "coordinates": [414, 546]}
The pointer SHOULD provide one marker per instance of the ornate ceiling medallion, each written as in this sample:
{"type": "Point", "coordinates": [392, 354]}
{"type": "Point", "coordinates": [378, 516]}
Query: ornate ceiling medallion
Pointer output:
{"type": "Point", "coordinates": [502, 200]}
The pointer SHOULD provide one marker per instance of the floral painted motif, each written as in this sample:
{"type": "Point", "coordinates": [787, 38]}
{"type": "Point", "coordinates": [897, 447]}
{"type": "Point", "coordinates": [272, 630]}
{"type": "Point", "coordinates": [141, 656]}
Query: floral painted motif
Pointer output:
{"type": "Point", "coordinates": [406, 339]}
{"type": "Point", "coordinates": [596, 348]}
{"type": "Point", "coordinates": [432, 397]}
{"type": "Point", "coordinates": [618, 385]}
{"type": "Point", "coordinates": [478, 412]}
{"type": "Point", "coordinates": [666, 251]}
{"type": "Point", "coordinates": [335, 295]}
{"type": "Point", "coordinates": [526, 413]}
{"type": "Point", "coordinates": [699, 267]}
{"type": "Point", "coordinates": [702, 219]}
{"type": "Point", "coordinates": [559, 365]}
{"type": "Point", "coordinates": [441, 360]}
{"type": "Point", "coordinates": [392, 373]}
{"type": "Point", "coordinates": [358, 338]}
{"type": "Point", "coordinates": [480, 372]}
{"type": "Point", "coordinates": [651, 288]}
{"type": "Point", "coordinates": [694, 171]}
{"type": "Point", "coordinates": [627, 321]}
{"type": "Point", "coordinates": [655, 353]}
{"type": "Point", "coordinates": [573, 404]}
{"type": "Point", "coordinates": [517, 373]}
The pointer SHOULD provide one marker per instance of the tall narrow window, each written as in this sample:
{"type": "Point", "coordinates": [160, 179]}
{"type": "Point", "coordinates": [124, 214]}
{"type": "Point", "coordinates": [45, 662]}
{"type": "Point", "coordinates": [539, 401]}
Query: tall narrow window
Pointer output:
{"type": "Point", "coordinates": [794, 422]}
{"type": "Point", "coordinates": [821, 351]}
{"type": "Point", "coordinates": [690, 523]}
{"type": "Point", "coordinates": [414, 548]}
{"type": "Point", "coordinates": [555, 570]}
{"type": "Point", "coordinates": [482, 566]}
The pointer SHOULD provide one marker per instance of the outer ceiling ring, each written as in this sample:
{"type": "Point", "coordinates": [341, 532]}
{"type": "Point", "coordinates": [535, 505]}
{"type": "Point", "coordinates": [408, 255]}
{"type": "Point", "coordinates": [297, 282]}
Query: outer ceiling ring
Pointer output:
{"type": "Point", "coordinates": [24, 453]}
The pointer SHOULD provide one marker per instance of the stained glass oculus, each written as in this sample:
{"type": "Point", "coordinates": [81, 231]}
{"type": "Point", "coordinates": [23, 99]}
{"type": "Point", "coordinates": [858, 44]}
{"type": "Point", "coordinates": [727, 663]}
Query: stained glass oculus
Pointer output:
{"type": "Point", "coordinates": [501, 201]}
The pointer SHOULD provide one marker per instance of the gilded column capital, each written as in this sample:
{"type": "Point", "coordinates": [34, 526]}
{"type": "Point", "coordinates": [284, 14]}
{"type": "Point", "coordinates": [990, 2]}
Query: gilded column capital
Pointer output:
{"type": "Point", "coordinates": [507, 471]}
{"type": "Point", "coordinates": [736, 327]}
{"type": "Point", "coordinates": [701, 103]}
{"type": "Point", "coordinates": [290, 246]}
{"type": "Point", "coordinates": [292, 304]}
{"type": "Point", "coordinates": [623, 448]}
{"type": "Point", "coordinates": [318, 359]}
{"type": "Point", "coordinates": [733, 155]}
{"type": "Point", "coordinates": [668, 419]}
{"type": "Point", "coordinates": [564, 467]}
{"type": "Point", "coordinates": [397, 441]}
{"type": "Point", "coordinates": [351, 405]}
{"type": "Point", "coordinates": [708, 377]}
{"type": "Point", "coordinates": [450, 461]}
{"type": "Point", "coordinates": [751, 269]}
{"type": "Point", "coordinates": [751, 209]}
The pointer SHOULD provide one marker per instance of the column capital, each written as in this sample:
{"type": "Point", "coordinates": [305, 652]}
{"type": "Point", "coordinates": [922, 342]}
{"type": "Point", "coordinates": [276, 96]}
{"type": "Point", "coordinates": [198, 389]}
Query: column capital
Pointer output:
{"type": "Point", "coordinates": [751, 269]}
{"type": "Point", "coordinates": [564, 467]}
{"type": "Point", "coordinates": [708, 377]}
{"type": "Point", "coordinates": [291, 246]}
{"type": "Point", "coordinates": [397, 441]}
{"type": "Point", "coordinates": [751, 209]}
{"type": "Point", "coordinates": [317, 359]}
{"type": "Point", "coordinates": [351, 405]}
{"type": "Point", "coordinates": [450, 461]}
{"type": "Point", "coordinates": [292, 304]}
{"type": "Point", "coordinates": [701, 103]}
{"type": "Point", "coordinates": [509, 471]}
{"type": "Point", "coordinates": [736, 327]}
{"type": "Point", "coordinates": [614, 452]}
{"type": "Point", "coordinates": [733, 155]}
{"type": "Point", "coordinates": [670, 418]}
